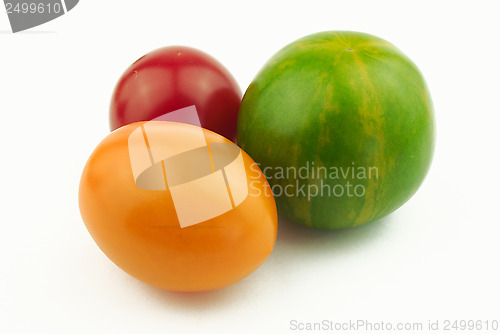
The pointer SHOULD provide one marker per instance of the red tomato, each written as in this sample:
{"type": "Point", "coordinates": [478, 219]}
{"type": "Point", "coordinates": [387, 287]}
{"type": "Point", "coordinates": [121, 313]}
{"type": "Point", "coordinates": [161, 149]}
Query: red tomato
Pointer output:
{"type": "Point", "coordinates": [172, 78]}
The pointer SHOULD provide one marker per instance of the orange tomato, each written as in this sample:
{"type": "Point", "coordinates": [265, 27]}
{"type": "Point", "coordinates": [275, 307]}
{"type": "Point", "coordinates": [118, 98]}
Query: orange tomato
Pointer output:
{"type": "Point", "coordinates": [140, 229]}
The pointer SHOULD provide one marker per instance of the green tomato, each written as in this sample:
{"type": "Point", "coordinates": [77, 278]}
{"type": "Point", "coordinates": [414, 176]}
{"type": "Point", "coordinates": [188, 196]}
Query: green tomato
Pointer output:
{"type": "Point", "coordinates": [342, 125]}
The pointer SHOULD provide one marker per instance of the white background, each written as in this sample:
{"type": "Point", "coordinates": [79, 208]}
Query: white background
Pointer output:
{"type": "Point", "coordinates": [436, 258]}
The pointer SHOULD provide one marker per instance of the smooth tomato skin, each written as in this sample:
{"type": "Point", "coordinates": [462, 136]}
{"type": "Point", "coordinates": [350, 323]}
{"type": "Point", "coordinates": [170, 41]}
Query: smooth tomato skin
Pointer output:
{"type": "Point", "coordinates": [172, 78]}
{"type": "Point", "coordinates": [333, 100]}
{"type": "Point", "coordinates": [139, 231]}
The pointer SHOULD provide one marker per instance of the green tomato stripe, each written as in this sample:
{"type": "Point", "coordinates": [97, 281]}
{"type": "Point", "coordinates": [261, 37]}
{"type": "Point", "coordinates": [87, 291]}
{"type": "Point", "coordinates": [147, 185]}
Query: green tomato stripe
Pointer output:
{"type": "Point", "coordinates": [371, 114]}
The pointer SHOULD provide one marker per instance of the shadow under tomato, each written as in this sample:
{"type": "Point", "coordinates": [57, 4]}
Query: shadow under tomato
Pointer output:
{"type": "Point", "coordinates": [299, 245]}
{"type": "Point", "coordinates": [200, 301]}
{"type": "Point", "coordinates": [299, 235]}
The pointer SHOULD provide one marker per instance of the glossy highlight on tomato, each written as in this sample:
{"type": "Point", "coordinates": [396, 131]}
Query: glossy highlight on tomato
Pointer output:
{"type": "Point", "coordinates": [139, 228]}
{"type": "Point", "coordinates": [172, 78]}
